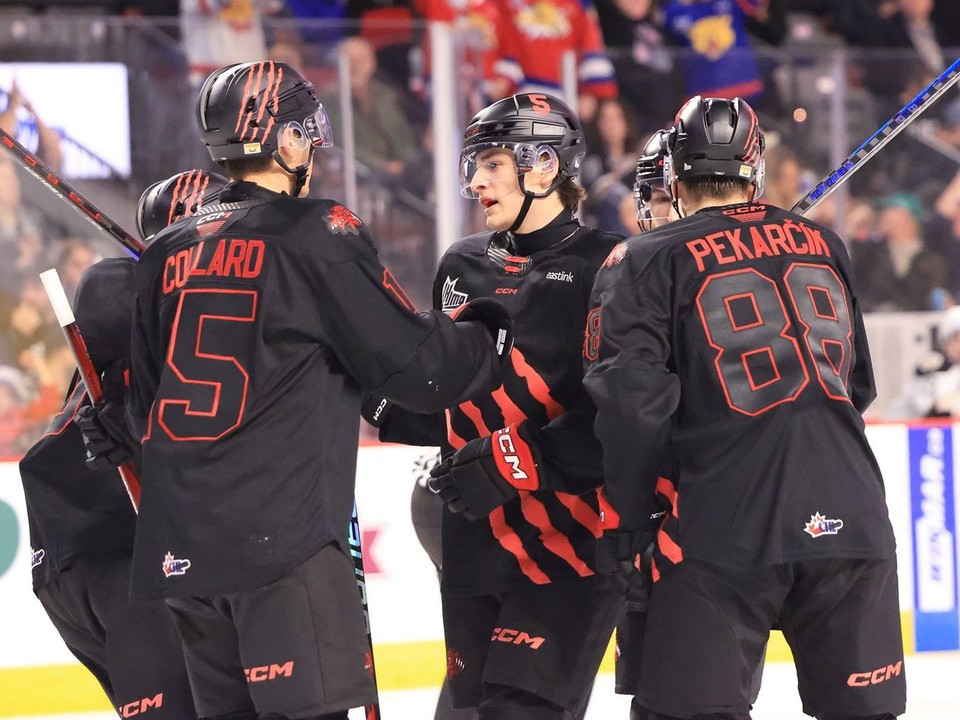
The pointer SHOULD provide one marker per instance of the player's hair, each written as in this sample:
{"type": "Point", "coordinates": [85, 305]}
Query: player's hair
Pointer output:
{"type": "Point", "coordinates": [571, 194]}
{"type": "Point", "coordinates": [700, 188]}
{"type": "Point", "coordinates": [242, 167]}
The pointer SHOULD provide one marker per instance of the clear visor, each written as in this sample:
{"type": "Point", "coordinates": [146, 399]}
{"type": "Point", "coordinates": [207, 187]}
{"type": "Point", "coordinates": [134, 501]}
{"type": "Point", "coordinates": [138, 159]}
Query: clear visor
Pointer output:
{"type": "Point", "coordinates": [316, 128]}
{"type": "Point", "coordinates": [487, 163]}
{"type": "Point", "coordinates": [645, 195]}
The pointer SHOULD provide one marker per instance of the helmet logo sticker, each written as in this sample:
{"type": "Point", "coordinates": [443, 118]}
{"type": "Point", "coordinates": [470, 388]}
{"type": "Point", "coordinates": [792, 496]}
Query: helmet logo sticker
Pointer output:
{"type": "Point", "coordinates": [251, 148]}
{"type": "Point", "coordinates": [540, 104]}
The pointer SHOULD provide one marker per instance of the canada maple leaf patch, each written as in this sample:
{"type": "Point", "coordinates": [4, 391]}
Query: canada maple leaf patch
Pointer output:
{"type": "Point", "coordinates": [341, 221]}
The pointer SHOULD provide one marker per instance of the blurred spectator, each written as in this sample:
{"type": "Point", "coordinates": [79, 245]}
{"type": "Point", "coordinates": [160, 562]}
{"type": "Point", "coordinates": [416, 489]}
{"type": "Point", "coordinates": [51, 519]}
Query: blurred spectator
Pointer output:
{"type": "Point", "coordinates": [18, 115]}
{"type": "Point", "coordinates": [646, 73]}
{"type": "Point", "coordinates": [720, 60]}
{"type": "Point", "coordinates": [898, 271]}
{"type": "Point", "coordinates": [538, 35]}
{"type": "Point", "coordinates": [23, 412]}
{"type": "Point", "coordinates": [934, 390]}
{"type": "Point", "coordinates": [219, 32]}
{"type": "Point", "coordinates": [943, 233]}
{"type": "Point", "coordinates": [22, 230]}
{"type": "Point", "coordinates": [892, 24]}
{"type": "Point", "coordinates": [479, 26]}
{"type": "Point", "coordinates": [75, 256]}
{"type": "Point", "coordinates": [384, 138]}
{"type": "Point", "coordinates": [786, 180]}
{"type": "Point", "coordinates": [609, 166]}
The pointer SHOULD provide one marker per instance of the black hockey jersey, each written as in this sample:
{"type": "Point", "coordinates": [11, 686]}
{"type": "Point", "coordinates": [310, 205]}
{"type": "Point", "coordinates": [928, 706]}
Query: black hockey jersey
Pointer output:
{"type": "Point", "coordinates": [72, 511]}
{"type": "Point", "coordinates": [727, 351]}
{"type": "Point", "coordinates": [544, 279]}
{"type": "Point", "coordinates": [257, 323]}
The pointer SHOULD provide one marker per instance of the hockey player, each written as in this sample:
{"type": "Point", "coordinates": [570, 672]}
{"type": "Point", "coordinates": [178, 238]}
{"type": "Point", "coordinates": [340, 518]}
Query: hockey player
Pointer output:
{"type": "Point", "coordinates": [526, 619]}
{"type": "Point", "coordinates": [80, 518]}
{"type": "Point", "coordinates": [649, 194]}
{"type": "Point", "coordinates": [730, 348]}
{"type": "Point", "coordinates": [258, 322]}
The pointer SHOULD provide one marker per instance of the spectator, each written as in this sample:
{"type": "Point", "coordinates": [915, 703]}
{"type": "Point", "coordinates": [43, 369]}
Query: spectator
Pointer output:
{"type": "Point", "coordinates": [219, 32]}
{"type": "Point", "coordinates": [76, 255]}
{"type": "Point", "coordinates": [19, 116]}
{"type": "Point", "coordinates": [942, 231]}
{"type": "Point", "coordinates": [934, 391]}
{"type": "Point", "coordinates": [20, 415]}
{"type": "Point", "coordinates": [608, 170]}
{"type": "Point", "coordinates": [644, 66]}
{"type": "Point", "coordinates": [720, 61]}
{"type": "Point", "coordinates": [384, 139]}
{"type": "Point", "coordinates": [785, 177]}
{"type": "Point", "coordinates": [899, 270]}
{"type": "Point", "coordinates": [539, 34]}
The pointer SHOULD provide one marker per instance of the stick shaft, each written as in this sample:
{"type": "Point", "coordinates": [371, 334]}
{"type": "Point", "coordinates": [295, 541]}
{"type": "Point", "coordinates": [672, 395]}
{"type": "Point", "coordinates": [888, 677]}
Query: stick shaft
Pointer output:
{"type": "Point", "coordinates": [88, 373]}
{"type": "Point", "coordinates": [889, 130]}
{"type": "Point", "coordinates": [356, 552]}
{"type": "Point", "coordinates": [66, 191]}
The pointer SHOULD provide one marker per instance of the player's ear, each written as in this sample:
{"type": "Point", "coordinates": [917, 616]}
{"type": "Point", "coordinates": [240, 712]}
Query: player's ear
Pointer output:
{"type": "Point", "coordinates": [546, 165]}
{"type": "Point", "coordinates": [292, 142]}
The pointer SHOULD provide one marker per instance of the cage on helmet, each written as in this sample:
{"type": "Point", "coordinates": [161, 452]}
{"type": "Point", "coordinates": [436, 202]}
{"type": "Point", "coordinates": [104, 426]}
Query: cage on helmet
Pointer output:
{"type": "Point", "coordinates": [243, 108]}
{"type": "Point", "coordinates": [649, 174]}
{"type": "Point", "coordinates": [178, 196]}
{"type": "Point", "coordinates": [716, 137]}
{"type": "Point", "coordinates": [540, 131]}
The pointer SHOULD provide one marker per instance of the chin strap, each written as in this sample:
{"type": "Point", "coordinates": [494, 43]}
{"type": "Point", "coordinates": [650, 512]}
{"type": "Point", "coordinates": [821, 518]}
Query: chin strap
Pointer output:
{"type": "Point", "coordinates": [529, 197]}
{"type": "Point", "coordinates": [299, 172]}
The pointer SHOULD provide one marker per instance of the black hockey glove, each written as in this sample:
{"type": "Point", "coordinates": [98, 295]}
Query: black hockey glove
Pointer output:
{"type": "Point", "coordinates": [624, 555]}
{"type": "Point", "coordinates": [106, 437]}
{"type": "Point", "coordinates": [485, 473]}
{"type": "Point", "coordinates": [495, 317]}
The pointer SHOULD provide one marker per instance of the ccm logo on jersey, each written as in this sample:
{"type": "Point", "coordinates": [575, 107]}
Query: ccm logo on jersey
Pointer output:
{"type": "Point", "coordinates": [863, 679]}
{"type": "Point", "coordinates": [138, 707]}
{"type": "Point", "coordinates": [514, 459]}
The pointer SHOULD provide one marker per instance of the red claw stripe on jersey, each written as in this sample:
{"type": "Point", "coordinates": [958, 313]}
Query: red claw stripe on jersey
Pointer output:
{"type": "Point", "coordinates": [537, 385]}
{"type": "Point", "coordinates": [507, 538]}
{"type": "Point", "coordinates": [583, 513]}
{"type": "Point", "coordinates": [514, 459]}
{"type": "Point", "coordinates": [667, 551]}
{"type": "Point", "coordinates": [554, 540]}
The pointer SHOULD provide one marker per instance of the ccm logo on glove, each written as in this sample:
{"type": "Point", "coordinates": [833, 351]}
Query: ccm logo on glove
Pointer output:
{"type": "Point", "coordinates": [514, 459]}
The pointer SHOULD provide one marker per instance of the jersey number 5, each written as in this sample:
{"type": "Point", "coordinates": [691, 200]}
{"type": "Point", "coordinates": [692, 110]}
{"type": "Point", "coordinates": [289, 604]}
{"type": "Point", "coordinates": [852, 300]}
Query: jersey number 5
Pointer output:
{"type": "Point", "coordinates": [759, 359]}
{"type": "Point", "coordinates": [203, 395]}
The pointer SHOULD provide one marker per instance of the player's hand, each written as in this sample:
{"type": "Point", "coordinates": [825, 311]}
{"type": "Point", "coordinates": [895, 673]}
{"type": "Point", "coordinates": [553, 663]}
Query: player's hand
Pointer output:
{"type": "Point", "coordinates": [485, 473]}
{"type": "Point", "coordinates": [620, 555]}
{"type": "Point", "coordinates": [106, 438]}
{"type": "Point", "coordinates": [495, 317]}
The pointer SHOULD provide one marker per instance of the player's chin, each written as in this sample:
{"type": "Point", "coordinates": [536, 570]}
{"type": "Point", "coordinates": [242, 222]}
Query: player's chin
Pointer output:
{"type": "Point", "coordinates": [496, 221]}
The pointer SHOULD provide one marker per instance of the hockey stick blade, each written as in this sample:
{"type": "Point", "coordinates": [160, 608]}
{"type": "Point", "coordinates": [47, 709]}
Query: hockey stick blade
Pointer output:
{"type": "Point", "coordinates": [62, 188]}
{"type": "Point", "coordinates": [858, 158]}
{"type": "Point", "coordinates": [88, 373]}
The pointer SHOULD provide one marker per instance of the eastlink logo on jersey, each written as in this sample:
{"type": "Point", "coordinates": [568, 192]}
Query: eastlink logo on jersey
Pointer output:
{"type": "Point", "coordinates": [561, 275]}
{"type": "Point", "coordinates": [936, 624]}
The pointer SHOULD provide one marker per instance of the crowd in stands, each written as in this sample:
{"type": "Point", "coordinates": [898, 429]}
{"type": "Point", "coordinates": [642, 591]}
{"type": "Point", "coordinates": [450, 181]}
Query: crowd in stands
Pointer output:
{"type": "Point", "coordinates": [635, 61]}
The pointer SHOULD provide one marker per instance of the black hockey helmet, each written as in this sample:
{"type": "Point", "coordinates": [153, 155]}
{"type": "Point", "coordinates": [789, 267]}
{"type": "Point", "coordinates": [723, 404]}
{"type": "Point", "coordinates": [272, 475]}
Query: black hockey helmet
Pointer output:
{"type": "Point", "coordinates": [541, 130]}
{"type": "Point", "coordinates": [716, 137]}
{"type": "Point", "coordinates": [244, 108]}
{"type": "Point", "coordinates": [169, 200]}
{"type": "Point", "coordinates": [649, 175]}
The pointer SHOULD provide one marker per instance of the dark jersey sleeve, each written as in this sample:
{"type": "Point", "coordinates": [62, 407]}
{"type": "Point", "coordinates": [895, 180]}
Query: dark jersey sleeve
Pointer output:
{"type": "Point", "coordinates": [422, 361]}
{"type": "Point", "coordinates": [628, 377]}
{"type": "Point", "coordinates": [863, 387]}
{"type": "Point", "coordinates": [146, 354]}
{"type": "Point", "coordinates": [568, 455]}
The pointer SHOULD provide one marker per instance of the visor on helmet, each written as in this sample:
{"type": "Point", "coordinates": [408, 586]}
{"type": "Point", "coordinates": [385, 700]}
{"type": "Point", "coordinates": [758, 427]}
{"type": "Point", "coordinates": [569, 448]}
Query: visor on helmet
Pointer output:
{"type": "Point", "coordinates": [478, 165]}
{"type": "Point", "coordinates": [314, 128]}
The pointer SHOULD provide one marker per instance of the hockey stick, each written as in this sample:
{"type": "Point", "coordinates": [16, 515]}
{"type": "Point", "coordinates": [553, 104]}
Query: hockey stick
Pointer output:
{"type": "Point", "coordinates": [88, 374]}
{"type": "Point", "coordinates": [858, 158]}
{"type": "Point", "coordinates": [356, 552]}
{"type": "Point", "coordinates": [66, 191]}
